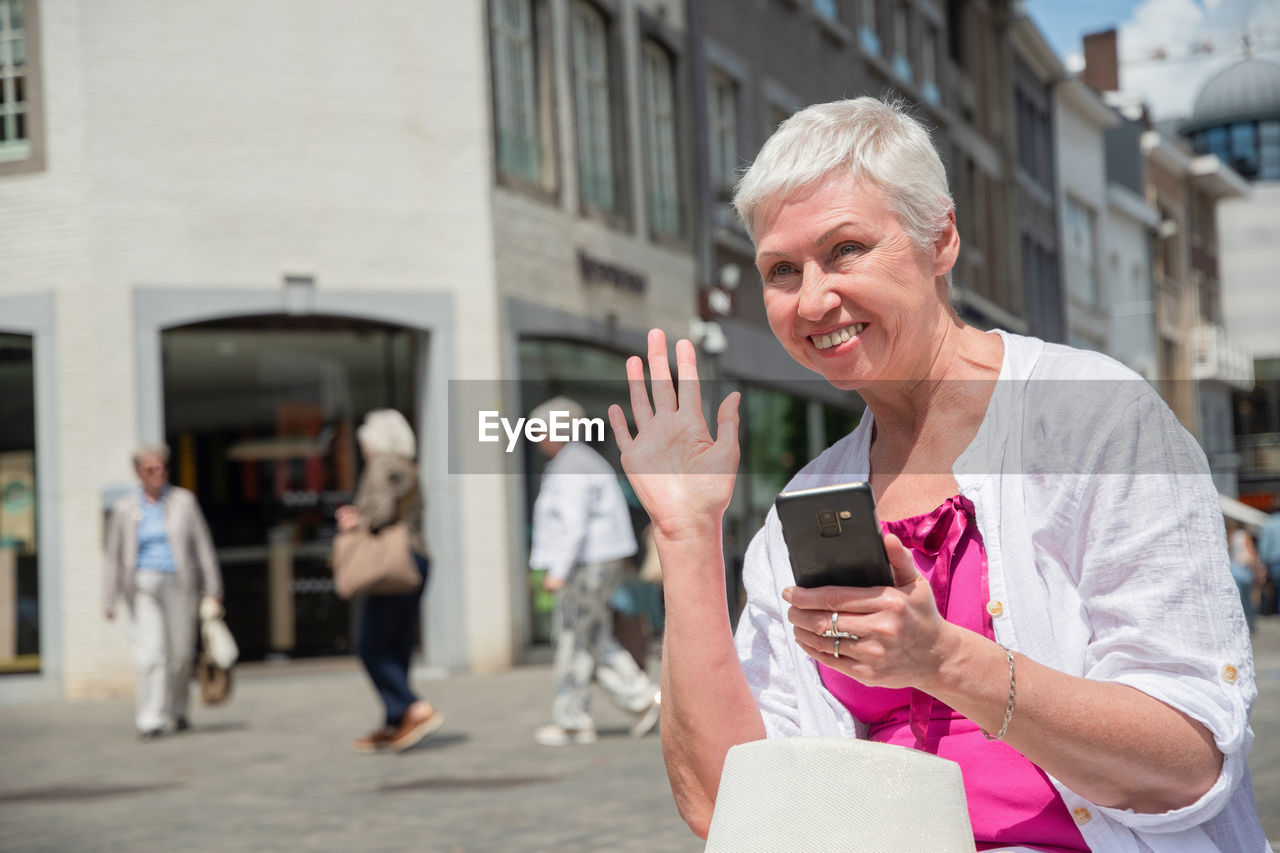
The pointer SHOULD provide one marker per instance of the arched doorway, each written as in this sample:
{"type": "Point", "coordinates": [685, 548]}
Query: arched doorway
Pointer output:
{"type": "Point", "coordinates": [260, 414]}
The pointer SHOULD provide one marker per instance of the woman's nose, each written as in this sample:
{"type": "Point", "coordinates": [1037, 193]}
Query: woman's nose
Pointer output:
{"type": "Point", "coordinates": [817, 298]}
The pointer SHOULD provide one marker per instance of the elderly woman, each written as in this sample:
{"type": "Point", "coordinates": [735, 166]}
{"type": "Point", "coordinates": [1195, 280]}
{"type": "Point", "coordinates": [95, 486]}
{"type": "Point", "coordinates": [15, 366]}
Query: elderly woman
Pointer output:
{"type": "Point", "coordinates": [388, 492]}
{"type": "Point", "coordinates": [160, 560]}
{"type": "Point", "coordinates": [1062, 623]}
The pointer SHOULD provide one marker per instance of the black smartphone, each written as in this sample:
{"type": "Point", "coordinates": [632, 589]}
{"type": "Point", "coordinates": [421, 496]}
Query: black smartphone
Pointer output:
{"type": "Point", "coordinates": [833, 536]}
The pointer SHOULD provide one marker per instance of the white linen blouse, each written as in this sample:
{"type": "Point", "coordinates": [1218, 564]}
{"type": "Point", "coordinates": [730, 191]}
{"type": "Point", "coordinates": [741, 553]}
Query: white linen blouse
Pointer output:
{"type": "Point", "coordinates": [580, 516]}
{"type": "Point", "coordinates": [1107, 559]}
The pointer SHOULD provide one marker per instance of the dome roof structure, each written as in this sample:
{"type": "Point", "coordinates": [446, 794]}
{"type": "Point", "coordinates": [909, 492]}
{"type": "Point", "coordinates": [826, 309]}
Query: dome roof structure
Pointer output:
{"type": "Point", "coordinates": [1249, 89]}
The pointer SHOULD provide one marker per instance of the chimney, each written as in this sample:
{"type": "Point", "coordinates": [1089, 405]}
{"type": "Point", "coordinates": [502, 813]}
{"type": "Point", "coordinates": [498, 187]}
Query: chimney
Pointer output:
{"type": "Point", "coordinates": [1101, 61]}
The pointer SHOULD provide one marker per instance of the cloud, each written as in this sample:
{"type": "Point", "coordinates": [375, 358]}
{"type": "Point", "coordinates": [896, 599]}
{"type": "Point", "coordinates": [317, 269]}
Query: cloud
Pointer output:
{"type": "Point", "coordinates": [1170, 48]}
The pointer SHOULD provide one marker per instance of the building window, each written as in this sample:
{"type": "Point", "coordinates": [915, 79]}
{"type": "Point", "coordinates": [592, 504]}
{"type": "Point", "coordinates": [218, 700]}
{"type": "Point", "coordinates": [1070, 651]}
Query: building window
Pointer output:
{"type": "Point", "coordinates": [901, 48]}
{"type": "Point", "coordinates": [1269, 145]}
{"type": "Point", "coordinates": [660, 133]}
{"type": "Point", "coordinates": [828, 9]}
{"type": "Point", "coordinates": [1244, 149]}
{"type": "Point", "coordinates": [724, 131]}
{"type": "Point", "coordinates": [1080, 253]}
{"type": "Point", "coordinates": [868, 31]}
{"type": "Point", "coordinates": [929, 64]}
{"type": "Point", "coordinates": [15, 83]}
{"type": "Point", "coordinates": [592, 108]}
{"type": "Point", "coordinates": [516, 89]}
{"type": "Point", "coordinates": [19, 551]}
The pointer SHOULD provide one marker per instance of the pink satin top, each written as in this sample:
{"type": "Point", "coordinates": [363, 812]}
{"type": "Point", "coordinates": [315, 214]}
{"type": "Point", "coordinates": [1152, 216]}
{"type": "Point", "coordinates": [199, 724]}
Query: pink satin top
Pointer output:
{"type": "Point", "coordinates": [1011, 801]}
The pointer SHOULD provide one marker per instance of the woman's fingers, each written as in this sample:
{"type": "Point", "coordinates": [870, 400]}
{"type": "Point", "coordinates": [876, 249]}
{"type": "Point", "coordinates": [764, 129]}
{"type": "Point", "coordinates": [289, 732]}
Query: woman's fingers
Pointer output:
{"type": "Point", "coordinates": [900, 559]}
{"type": "Point", "coordinates": [727, 421]}
{"type": "Point", "coordinates": [690, 390]}
{"type": "Point", "coordinates": [664, 393]}
{"type": "Point", "coordinates": [639, 395]}
{"type": "Point", "coordinates": [621, 431]}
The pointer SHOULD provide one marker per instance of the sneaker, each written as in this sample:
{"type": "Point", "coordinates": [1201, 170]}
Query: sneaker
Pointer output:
{"type": "Point", "coordinates": [416, 725]}
{"type": "Point", "coordinates": [147, 735]}
{"type": "Point", "coordinates": [553, 735]}
{"type": "Point", "coordinates": [374, 740]}
{"type": "Point", "coordinates": [648, 717]}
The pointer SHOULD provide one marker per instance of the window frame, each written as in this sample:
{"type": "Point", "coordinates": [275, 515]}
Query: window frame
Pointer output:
{"type": "Point", "coordinates": [901, 59]}
{"type": "Point", "coordinates": [32, 156]}
{"type": "Point", "coordinates": [827, 10]}
{"type": "Point", "coordinates": [1072, 258]}
{"type": "Point", "coordinates": [869, 27]}
{"type": "Point", "coordinates": [664, 160]}
{"type": "Point", "coordinates": [723, 173]}
{"type": "Point", "coordinates": [545, 183]}
{"type": "Point", "coordinates": [617, 212]}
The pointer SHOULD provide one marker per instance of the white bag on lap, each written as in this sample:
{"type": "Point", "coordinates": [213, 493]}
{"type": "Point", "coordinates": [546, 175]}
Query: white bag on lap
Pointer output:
{"type": "Point", "coordinates": [838, 794]}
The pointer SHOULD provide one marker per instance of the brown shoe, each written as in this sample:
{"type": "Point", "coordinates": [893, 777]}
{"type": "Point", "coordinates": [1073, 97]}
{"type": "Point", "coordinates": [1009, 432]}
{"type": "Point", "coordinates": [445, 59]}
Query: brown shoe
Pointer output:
{"type": "Point", "coordinates": [419, 721]}
{"type": "Point", "coordinates": [374, 740]}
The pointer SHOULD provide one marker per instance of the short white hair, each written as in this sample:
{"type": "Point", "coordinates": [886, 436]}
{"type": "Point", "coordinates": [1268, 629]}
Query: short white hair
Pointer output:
{"type": "Point", "coordinates": [874, 141]}
{"type": "Point", "coordinates": [387, 431]}
{"type": "Point", "coordinates": [558, 404]}
{"type": "Point", "coordinates": [146, 451]}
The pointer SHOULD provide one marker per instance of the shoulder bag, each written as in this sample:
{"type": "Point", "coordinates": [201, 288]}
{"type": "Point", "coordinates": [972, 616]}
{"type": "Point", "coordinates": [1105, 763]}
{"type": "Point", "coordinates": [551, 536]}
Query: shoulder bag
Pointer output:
{"type": "Point", "coordinates": [368, 563]}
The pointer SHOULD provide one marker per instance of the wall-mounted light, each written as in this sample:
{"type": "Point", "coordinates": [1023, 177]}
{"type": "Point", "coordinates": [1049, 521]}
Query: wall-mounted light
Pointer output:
{"type": "Point", "coordinates": [299, 294]}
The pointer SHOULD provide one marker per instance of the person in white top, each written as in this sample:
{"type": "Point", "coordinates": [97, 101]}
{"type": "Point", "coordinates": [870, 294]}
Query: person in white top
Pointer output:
{"type": "Point", "coordinates": [1115, 658]}
{"type": "Point", "coordinates": [581, 535]}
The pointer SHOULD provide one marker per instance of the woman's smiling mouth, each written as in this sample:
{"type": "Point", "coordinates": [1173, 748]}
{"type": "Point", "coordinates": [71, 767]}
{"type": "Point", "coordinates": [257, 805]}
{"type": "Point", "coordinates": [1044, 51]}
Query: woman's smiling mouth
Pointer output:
{"type": "Point", "coordinates": [837, 337]}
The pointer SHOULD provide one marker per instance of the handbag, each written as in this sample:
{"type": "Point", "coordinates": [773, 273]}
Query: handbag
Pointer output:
{"type": "Point", "coordinates": [215, 681]}
{"type": "Point", "coordinates": [215, 636]}
{"type": "Point", "coordinates": [778, 794]}
{"type": "Point", "coordinates": [368, 563]}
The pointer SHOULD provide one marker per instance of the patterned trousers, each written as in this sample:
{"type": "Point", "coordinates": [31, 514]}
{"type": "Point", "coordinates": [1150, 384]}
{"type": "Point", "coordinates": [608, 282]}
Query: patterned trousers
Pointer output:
{"type": "Point", "coordinates": [586, 648]}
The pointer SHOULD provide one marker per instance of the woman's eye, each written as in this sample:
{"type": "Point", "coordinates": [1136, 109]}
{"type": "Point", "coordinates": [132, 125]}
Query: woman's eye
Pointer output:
{"type": "Point", "coordinates": [845, 249]}
{"type": "Point", "coordinates": [781, 270]}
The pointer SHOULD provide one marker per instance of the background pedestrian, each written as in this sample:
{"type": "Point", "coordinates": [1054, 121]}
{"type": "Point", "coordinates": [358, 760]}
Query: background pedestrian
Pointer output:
{"type": "Point", "coordinates": [159, 559]}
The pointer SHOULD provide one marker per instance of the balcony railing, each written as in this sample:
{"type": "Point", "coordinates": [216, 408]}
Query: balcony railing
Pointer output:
{"type": "Point", "coordinates": [1217, 358]}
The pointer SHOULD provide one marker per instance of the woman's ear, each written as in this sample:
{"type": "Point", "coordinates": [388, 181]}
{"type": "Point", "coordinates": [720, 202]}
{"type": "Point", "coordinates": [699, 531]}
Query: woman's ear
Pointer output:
{"type": "Point", "coordinates": [946, 249]}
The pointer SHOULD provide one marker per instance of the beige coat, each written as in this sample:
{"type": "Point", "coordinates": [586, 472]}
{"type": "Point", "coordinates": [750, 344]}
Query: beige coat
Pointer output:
{"type": "Point", "coordinates": [387, 481]}
{"type": "Point", "coordinates": [189, 539]}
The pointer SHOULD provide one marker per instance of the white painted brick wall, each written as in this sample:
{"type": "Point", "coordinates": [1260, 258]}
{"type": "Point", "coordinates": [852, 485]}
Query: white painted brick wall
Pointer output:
{"type": "Point", "coordinates": [225, 143]}
{"type": "Point", "coordinates": [214, 143]}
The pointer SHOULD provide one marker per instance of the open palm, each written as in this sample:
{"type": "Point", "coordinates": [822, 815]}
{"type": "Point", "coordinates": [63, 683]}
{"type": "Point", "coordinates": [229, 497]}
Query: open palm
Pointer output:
{"type": "Point", "coordinates": [682, 476]}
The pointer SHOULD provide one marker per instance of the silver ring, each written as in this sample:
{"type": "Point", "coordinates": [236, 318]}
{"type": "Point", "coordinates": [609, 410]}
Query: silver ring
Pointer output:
{"type": "Point", "coordinates": [836, 650]}
{"type": "Point", "coordinates": [833, 631]}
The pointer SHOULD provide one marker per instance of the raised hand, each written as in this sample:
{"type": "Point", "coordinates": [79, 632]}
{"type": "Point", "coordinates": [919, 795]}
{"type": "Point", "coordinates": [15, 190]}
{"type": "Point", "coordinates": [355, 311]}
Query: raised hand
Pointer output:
{"type": "Point", "coordinates": [683, 477]}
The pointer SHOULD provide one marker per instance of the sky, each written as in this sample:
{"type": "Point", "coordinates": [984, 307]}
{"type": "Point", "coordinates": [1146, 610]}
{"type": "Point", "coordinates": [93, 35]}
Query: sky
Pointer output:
{"type": "Point", "coordinates": [1198, 38]}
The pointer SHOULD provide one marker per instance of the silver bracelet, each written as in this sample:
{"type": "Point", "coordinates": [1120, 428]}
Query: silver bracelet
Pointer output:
{"type": "Point", "coordinates": [1008, 711]}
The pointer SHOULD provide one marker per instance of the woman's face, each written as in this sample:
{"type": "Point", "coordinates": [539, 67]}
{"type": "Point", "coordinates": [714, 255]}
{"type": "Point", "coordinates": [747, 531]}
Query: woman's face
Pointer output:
{"type": "Point", "coordinates": [846, 291]}
{"type": "Point", "coordinates": [153, 472]}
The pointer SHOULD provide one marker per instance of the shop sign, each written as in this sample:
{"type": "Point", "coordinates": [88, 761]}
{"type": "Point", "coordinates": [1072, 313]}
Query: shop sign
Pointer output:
{"type": "Point", "coordinates": [595, 271]}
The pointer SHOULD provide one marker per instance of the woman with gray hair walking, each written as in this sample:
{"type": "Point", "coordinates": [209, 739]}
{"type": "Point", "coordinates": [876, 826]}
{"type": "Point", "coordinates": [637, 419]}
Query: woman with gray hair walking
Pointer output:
{"type": "Point", "coordinates": [160, 560]}
{"type": "Point", "coordinates": [1061, 623]}
{"type": "Point", "coordinates": [389, 492]}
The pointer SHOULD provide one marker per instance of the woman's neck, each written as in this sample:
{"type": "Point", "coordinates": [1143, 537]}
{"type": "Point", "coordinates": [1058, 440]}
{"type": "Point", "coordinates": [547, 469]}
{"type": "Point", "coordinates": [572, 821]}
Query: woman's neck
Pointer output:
{"type": "Point", "coordinates": [955, 373]}
{"type": "Point", "coordinates": [920, 431]}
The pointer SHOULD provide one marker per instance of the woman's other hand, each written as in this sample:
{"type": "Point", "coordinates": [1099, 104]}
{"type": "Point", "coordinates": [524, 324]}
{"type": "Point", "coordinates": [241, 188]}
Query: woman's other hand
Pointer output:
{"type": "Point", "coordinates": [683, 477]}
{"type": "Point", "coordinates": [901, 637]}
{"type": "Point", "coordinates": [348, 518]}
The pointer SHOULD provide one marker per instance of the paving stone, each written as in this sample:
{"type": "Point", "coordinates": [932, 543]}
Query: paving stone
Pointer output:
{"type": "Point", "coordinates": [274, 770]}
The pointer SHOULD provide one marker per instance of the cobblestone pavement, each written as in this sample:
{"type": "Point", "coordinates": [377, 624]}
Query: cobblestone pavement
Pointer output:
{"type": "Point", "coordinates": [273, 770]}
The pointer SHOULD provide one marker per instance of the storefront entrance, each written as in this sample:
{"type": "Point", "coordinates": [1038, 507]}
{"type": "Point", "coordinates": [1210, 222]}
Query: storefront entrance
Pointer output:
{"type": "Point", "coordinates": [260, 415]}
{"type": "Point", "coordinates": [19, 554]}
